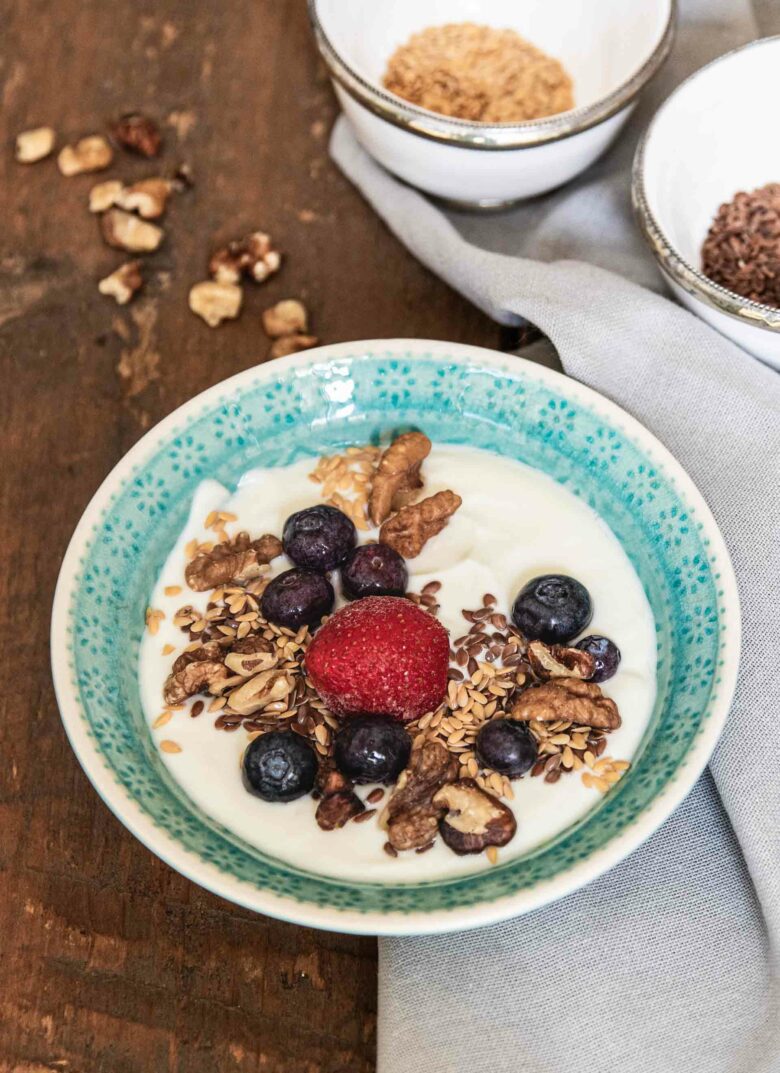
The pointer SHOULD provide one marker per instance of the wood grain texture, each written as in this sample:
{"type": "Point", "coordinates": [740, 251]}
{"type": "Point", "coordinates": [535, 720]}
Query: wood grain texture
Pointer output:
{"type": "Point", "coordinates": [110, 962]}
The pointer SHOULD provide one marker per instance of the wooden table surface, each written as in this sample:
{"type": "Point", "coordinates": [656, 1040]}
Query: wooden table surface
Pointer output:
{"type": "Point", "coordinates": [109, 961]}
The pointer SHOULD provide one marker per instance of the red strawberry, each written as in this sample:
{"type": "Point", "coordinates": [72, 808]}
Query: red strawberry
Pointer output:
{"type": "Point", "coordinates": [382, 655]}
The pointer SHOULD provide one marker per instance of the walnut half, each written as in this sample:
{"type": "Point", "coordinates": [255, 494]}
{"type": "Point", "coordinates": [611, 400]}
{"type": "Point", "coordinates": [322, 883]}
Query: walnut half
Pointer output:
{"type": "Point", "coordinates": [570, 699]}
{"type": "Point", "coordinates": [410, 816]}
{"type": "Point", "coordinates": [339, 802]}
{"type": "Point", "coordinates": [237, 558]}
{"type": "Point", "coordinates": [397, 474]}
{"type": "Point", "coordinates": [556, 661]}
{"type": "Point", "coordinates": [474, 818]}
{"type": "Point", "coordinates": [200, 676]}
{"type": "Point", "coordinates": [408, 531]}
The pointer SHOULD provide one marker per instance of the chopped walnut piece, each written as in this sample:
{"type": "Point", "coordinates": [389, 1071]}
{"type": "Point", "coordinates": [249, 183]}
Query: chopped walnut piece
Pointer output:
{"type": "Point", "coordinates": [215, 302]}
{"type": "Point", "coordinates": [103, 196]}
{"type": "Point", "coordinates": [398, 472]}
{"type": "Point", "coordinates": [288, 317]}
{"type": "Point", "coordinates": [124, 231]}
{"type": "Point", "coordinates": [557, 661]}
{"type": "Point", "coordinates": [147, 197]}
{"type": "Point", "coordinates": [291, 344]}
{"type": "Point", "coordinates": [237, 558]}
{"type": "Point", "coordinates": [138, 133]}
{"type": "Point", "coordinates": [250, 663]}
{"type": "Point", "coordinates": [212, 651]}
{"type": "Point", "coordinates": [264, 689]}
{"type": "Point", "coordinates": [200, 676]}
{"type": "Point", "coordinates": [253, 256]}
{"type": "Point", "coordinates": [34, 145]}
{"type": "Point", "coordinates": [410, 816]}
{"type": "Point", "coordinates": [339, 803]}
{"type": "Point", "coordinates": [570, 699]}
{"type": "Point", "coordinates": [123, 282]}
{"type": "Point", "coordinates": [475, 819]}
{"type": "Point", "coordinates": [412, 527]}
{"type": "Point", "coordinates": [89, 154]}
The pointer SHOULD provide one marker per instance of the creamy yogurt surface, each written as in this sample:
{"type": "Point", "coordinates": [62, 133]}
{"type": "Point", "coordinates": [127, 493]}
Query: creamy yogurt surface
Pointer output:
{"type": "Point", "coordinates": [514, 524]}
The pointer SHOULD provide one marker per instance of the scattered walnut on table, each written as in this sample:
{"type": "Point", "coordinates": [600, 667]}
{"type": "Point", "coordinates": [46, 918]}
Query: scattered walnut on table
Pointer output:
{"type": "Point", "coordinates": [410, 816]}
{"type": "Point", "coordinates": [90, 154]}
{"type": "Point", "coordinates": [570, 699]}
{"type": "Point", "coordinates": [123, 282]}
{"type": "Point", "coordinates": [291, 344]}
{"type": "Point", "coordinates": [234, 559]}
{"type": "Point", "coordinates": [125, 231]}
{"type": "Point", "coordinates": [215, 302]}
{"type": "Point", "coordinates": [147, 197]}
{"type": "Point", "coordinates": [397, 474]}
{"type": "Point", "coordinates": [288, 317]}
{"type": "Point", "coordinates": [474, 819]}
{"type": "Point", "coordinates": [34, 145]}
{"type": "Point", "coordinates": [103, 196]}
{"type": "Point", "coordinates": [408, 531]}
{"type": "Point", "coordinates": [557, 661]}
{"type": "Point", "coordinates": [253, 256]}
{"type": "Point", "coordinates": [138, 133]}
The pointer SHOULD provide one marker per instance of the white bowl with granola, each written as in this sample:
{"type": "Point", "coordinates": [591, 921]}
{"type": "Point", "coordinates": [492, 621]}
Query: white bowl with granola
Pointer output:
{"type": "Point", "coordinates": [395, 637]}
{"type": "Point", "coordinates": [567, 74]}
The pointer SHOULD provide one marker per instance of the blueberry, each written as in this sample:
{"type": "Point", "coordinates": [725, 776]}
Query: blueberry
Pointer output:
{"type": "Point", "coordinates": [318, 538]}
{"type": "Point", "coordinates": [279, 766]}
{"type": "Point", "coordinates": [506, 746]}
{"type": "Point", "coordinates": [372, 748]}
{"type": "Point", "coordinates": [297, 598]}
{"type": "Point", "coordinates": [606, 654]}
{"type": "Point", "coordinates": [373, 570]}
{"type": "Point", "coordinates": [552, 608]}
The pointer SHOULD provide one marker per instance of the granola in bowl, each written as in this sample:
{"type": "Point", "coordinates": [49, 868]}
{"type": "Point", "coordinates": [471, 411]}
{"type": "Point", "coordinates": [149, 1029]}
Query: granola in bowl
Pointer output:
{"type": "Point", "coordinates": [398, 660]}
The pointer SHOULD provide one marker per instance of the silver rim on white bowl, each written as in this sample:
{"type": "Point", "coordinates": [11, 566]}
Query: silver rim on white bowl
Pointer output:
{"type": "Point", "coordinates": [473, 135]}
{"type": "Point", "coordinates": [690, 279]}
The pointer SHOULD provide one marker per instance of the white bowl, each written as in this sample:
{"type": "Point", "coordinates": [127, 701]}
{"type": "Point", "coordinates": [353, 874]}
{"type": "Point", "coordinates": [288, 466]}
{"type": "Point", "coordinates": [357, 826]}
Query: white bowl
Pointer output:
{"type": "Point", "coordinates": [714, 136]}
{"type": "Point", "coordinates": [611, 48]}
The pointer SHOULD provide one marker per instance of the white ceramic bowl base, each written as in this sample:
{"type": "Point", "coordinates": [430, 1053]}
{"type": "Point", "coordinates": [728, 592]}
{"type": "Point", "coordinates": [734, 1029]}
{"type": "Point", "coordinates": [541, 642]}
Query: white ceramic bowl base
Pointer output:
{"type": "Point", "coordinates": [714, 137]}
{"type": "Point", "coordinates": [603, 45]}
{"type": "Point", "coordinates": [484, 178]}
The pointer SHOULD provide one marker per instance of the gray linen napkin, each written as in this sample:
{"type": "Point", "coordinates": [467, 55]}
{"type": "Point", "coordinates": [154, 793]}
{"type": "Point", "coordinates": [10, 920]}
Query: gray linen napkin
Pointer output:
{"type": "Point", "coordinates": [667, 964]}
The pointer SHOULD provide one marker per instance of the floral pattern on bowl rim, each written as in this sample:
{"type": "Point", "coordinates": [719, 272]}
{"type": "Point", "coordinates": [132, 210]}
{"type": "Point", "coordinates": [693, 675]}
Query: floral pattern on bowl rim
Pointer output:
{"type": "Point", "coordinates": [316, 402]}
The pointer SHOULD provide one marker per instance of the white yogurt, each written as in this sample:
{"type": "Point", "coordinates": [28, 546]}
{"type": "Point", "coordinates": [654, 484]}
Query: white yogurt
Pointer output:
{"type": "Point", "coordinates": [515, 523]}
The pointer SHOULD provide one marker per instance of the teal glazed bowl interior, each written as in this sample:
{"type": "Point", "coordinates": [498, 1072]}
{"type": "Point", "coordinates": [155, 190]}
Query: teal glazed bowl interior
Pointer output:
{"type": "Point", "coordinates": [316, 403]}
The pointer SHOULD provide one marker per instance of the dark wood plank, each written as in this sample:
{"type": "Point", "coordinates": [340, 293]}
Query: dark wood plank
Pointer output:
{"type": "Point", "coordinates": [108, 960]}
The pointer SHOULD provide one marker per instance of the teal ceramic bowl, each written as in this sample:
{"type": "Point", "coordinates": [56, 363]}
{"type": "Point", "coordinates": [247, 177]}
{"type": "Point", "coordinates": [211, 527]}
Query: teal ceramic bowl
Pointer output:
{"type": "Point", "coordinates": [319, 402]}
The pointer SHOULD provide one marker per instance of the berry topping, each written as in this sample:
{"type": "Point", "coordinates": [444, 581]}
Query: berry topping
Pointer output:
{"type": "Point", "coordinates": [318, 538]}
{"type": "Point", "coordinates": [552, 608]}
{"type": "Point", "coordinates": [279, 766]}
{"type": "Point", "coordinates": [297, 598]}
{"type": "Point", "coordinates": [372, 748]}
{"type": "Point", "coordinates": [506, 746]}
{"type": "Point", "coordinates": [606, 656]}
{"type": "Point", "coordinates": [382, 655]}
{"type": "Point", "coordinates": [373, 570]}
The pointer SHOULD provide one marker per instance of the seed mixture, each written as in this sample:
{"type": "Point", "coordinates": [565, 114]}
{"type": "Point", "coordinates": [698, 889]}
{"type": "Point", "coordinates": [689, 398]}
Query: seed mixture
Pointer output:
{"type": "Point", "coordinates": [479, 73]}
{"type": "Point", "coordinates": [742, 249]}
{"type": "Point", "coordinates": [248, 666]}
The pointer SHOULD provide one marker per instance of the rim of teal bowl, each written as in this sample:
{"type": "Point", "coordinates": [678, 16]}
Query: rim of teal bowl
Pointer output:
{"type": "Point", "coordinates": [330, 917]}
